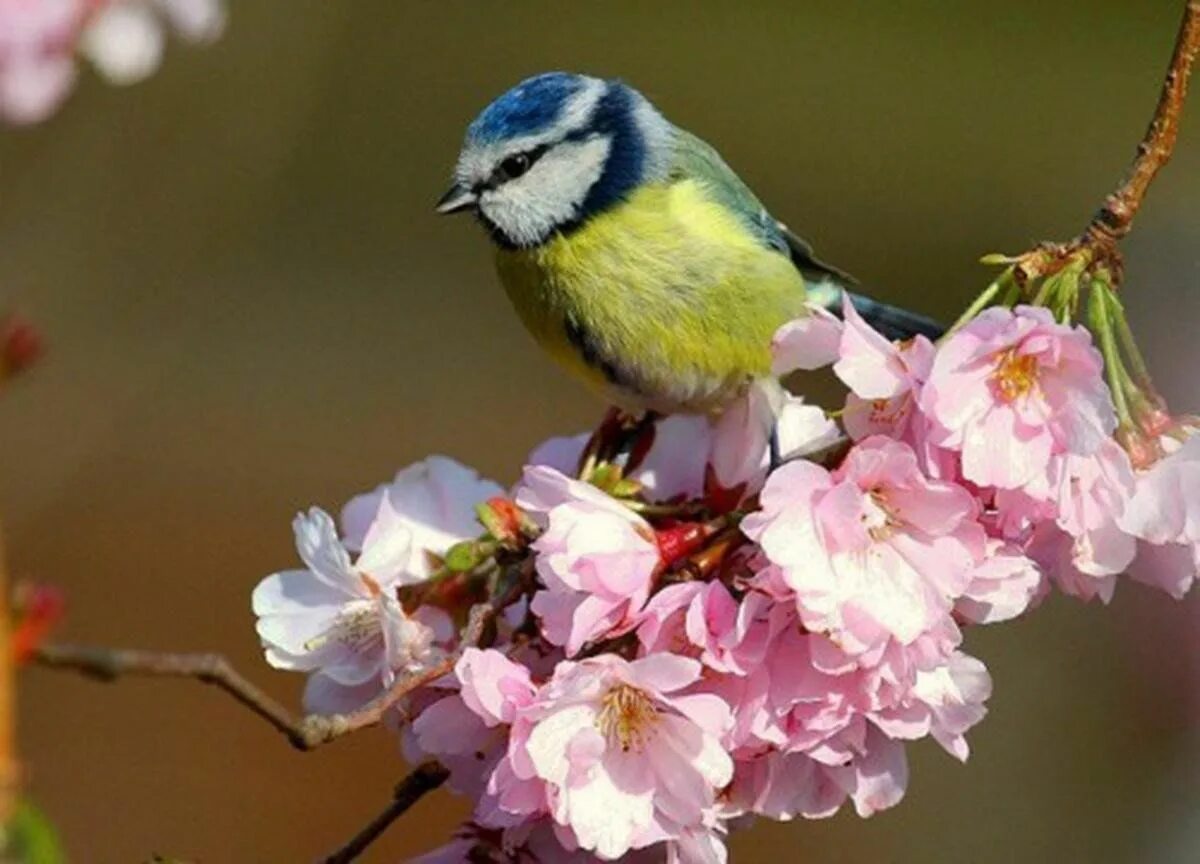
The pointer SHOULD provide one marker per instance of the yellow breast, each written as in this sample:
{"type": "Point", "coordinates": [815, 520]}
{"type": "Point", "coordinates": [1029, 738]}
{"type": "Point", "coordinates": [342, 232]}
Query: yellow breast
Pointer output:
{"type": "Point", "coordinates": [665, 302]}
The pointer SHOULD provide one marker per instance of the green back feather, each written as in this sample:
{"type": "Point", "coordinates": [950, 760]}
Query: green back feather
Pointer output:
{"type": "Point", "coordinates": [696, 159]}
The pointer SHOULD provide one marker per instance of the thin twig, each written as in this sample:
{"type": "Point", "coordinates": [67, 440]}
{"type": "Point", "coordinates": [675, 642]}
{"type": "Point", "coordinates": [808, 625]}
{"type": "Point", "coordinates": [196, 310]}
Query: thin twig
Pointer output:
{"type": "Point", "coordinates": [304, 733]}
{"type": "Point", "coordinates": [424, 779]}
{"type": "Point", "coordinates": [1115, 218]}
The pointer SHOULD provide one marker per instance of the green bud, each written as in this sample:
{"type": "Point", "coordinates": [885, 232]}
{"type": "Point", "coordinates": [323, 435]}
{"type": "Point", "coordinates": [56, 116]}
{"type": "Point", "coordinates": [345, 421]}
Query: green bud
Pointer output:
{"type": "Point", "coordinates": [465, 556]}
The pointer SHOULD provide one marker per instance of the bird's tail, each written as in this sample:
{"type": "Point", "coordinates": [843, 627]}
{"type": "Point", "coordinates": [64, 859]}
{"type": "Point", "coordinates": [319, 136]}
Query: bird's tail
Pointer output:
{"type": "Point", "coordinates": [892, 321]}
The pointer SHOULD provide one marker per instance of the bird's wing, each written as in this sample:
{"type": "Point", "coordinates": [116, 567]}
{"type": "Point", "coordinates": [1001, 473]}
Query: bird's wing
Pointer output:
{"type": "Point", "coordinates": [695, 159]}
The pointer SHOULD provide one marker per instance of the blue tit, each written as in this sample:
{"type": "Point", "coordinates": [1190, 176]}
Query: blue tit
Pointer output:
{"type": "Point", "coordinates": [634, 255]}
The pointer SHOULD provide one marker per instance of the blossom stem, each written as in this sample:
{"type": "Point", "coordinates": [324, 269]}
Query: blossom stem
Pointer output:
{"type": "Point", "coordinates": [1141, 371]}
{"type": "Point", "coordinates": [1099, 312]}
{"type": "Point", "coordinates": [423, 780]}
{"type": "Point", "coordinates": [982, 301]}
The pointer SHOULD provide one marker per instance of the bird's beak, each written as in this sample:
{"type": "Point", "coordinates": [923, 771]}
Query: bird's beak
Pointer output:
{"type": "Point", "coordinates": [457, 199]}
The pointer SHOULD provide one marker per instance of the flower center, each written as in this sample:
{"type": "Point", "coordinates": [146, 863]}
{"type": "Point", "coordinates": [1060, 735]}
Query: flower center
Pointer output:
{"type": "Point", "coordinates": [878, 517]}
{"type": "Point", "coordinates": [627, 717]}
{"type": "Point", "coordinates": [1015, 375]}
{"type": "Point", "coordinates": [357, 627]}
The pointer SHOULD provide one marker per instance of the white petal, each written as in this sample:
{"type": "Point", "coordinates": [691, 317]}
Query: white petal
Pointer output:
{"type": "Point", "coordinates": [294, 591]}
{"type": "Point", "coordinates": [549, 740]}
{"type": "Point", "coordinates": [319, 548]}
{"type": "Point", "coordinates": [605, 817]}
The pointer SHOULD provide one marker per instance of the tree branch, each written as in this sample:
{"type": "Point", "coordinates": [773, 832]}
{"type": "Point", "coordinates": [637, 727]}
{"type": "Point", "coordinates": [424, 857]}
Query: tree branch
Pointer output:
{"type": "Point", "coordinates": [304, 733]}
{"type": "Point", "coordinates": [424, 779]}
{"type": "Point", "coordinates": [1114, 219]}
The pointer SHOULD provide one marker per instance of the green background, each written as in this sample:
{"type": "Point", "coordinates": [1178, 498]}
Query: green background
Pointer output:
{"type": "Point", "coordinates": [251, 308]}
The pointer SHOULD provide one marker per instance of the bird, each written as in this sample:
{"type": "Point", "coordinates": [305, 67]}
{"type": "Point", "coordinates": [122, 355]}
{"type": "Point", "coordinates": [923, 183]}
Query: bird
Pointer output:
{"type": "Point", "coordinates": [632, 252]}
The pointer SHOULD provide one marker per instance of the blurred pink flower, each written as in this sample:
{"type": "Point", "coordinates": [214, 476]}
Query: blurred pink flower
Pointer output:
{"type": "Point", "coordinates": [597, 558]}
{"type": "Point", "coordinates": [124, 40]}
{"type": "Point", "coordinates": [37, 66]}
{"type": "Point", "coordinates": [1011, 389]}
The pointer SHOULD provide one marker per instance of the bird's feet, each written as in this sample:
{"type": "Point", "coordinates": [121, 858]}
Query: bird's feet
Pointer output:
{"type": "Point", "coordinates": [619, 436]}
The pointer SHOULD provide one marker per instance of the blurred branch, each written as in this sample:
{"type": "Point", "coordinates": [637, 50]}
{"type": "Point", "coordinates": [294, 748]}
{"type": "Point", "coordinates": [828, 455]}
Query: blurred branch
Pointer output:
{"type": "Point", "coordinates": [409, 791]}
{"type": "Point", "coordinates": [304, 733]}
{"type": "Point", "coordinates": [1114, 219]}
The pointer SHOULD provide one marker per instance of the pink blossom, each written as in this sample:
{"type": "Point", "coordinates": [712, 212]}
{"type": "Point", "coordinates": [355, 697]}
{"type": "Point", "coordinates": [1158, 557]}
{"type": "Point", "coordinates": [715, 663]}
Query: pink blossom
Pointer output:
{"type": "Point", "coordinates": [677, 459]}
{"type": "Point", "coordinates": [741, 454]}
{"type": "Point", "coordinates": [493, 686]}
{"type": "Point", "coordinates": [1002, 586]}
{"type": "Point", "coordinates": [538, 841]}
{"type": "Point", "coordinates": [954, 694]}
{"type": "Point", "coordinates": [342, 620]}
{"type": "Point", "coordinates": [703, 620]}
{"type": "Point", "coordinates": [884, 379]}
{"type": "Point", "coordinates": [735, 445]}
{"type": "Point", "coordinates": [628, 759]}
{"type": "Point", "coordinates": [561, 453]}
{"type": "Point", "coordinates": [782, 786]}
{"type": "Point", "coordinates": [822, 700]}
{"type": "Point", "coordinates": [597, 558]}
{"type": "Point", "coordinates": [468, 732]}
{"type": "Point", "coordinates": [1070, 520]}
{"type": "Point", "coordinates": [874, 551]}
{"type": "Point", "coordinates": [1165, 511]}
{"type": "Point", "coordinates": [673, 466]}
{"type": "Point", "coordinates": [433, 501]}
{"type": "Point", "coordinates": [1011, 389]}
{"type": "Point", "coordinates": [806, 343]}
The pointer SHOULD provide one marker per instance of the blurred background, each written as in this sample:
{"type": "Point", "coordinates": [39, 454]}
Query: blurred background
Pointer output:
{"type": "Point", "coordinates": [252, 308]}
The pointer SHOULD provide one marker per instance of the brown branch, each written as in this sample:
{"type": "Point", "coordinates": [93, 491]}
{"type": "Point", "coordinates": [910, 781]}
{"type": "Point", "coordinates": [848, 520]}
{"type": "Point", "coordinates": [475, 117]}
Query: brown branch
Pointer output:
{"type": "Point", "coordinates": [1115, 218]}
{"type": "Point", "coordinates": [304, 733]}
{"type": "Point", "coordinates": [409, 791]}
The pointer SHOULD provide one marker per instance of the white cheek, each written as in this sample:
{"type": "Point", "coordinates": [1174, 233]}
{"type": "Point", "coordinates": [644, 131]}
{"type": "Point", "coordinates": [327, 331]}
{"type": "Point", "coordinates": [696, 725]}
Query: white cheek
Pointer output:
{"type": "Point", "coordinates": [529, 209]}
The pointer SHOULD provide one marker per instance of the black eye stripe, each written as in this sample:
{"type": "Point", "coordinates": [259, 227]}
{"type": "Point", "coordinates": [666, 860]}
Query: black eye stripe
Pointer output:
{"type": "Point", "coordinates": [516, 164]}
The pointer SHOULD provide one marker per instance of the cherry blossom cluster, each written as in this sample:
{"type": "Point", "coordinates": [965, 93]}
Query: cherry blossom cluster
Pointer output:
{"type": "Point", "coordinates": [742, 616]}
{"type": "Point", "coordinates": [40, 41]}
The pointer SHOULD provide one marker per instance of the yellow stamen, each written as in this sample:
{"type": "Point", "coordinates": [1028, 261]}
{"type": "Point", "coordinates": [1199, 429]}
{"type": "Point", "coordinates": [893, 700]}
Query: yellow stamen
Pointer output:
{"type": "Point", "coordinates": [627, 717]}
{"type": "Point", "coordinates": [1015, 374]}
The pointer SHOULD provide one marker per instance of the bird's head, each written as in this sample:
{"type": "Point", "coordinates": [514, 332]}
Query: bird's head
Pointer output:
{"type": "Point", "coordinates": [553, 151]}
